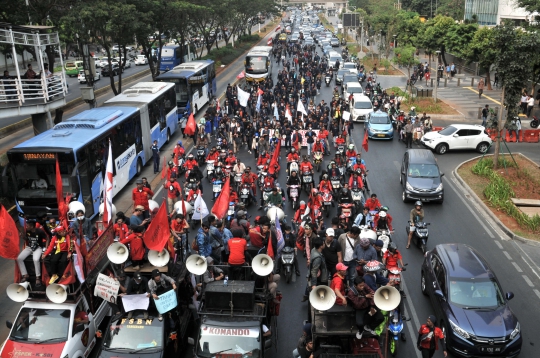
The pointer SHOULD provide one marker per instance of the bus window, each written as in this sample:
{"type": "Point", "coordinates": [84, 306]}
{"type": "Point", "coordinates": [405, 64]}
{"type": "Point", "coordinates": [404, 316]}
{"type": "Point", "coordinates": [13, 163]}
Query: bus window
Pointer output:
{"type": "Point", "coordinates": [85, 179]}
{"type": "Point", "coordinates": [212, 73]}
{"type": "Point", "coordinates": [153, 113]}
{"type": "Point", "coordinates": [181, 89]}
{"type": "Point", "coordinates": [162, 114]}
{"type": "Point", "coordinates": [170, 100]}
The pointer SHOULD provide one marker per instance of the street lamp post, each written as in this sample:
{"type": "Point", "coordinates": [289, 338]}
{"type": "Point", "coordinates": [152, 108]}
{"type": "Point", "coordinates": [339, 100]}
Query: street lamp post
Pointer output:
{"type": "Point", "coordinates": [437, 75]}
{"type": "Point", "coordinates": [395, 41]}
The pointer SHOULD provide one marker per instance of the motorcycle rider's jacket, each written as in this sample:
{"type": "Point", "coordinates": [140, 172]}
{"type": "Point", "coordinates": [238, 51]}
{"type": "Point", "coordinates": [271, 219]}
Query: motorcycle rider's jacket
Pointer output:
{"type": "Point", "coordinates": [372, 204]}
{"type": "Point", "coordinates": [345, 198]}
{"type": "Point", "coordinates": [350, 153]}
{"type": "Point", "coordinates": [325, 184]}
{"type": "Point", "coordinates": [249, 178]}
{"type": "Point", "coordinates": [356, 181]}
{"type": "Point", "coordinates": [416, 216]}
{"type": "Point", "coordinates": [318, 147]}
{"type": "Point", "coordinates": [362, 167]}
{"type": "Point", "coordinates": [340, 141]}
{"type": "Point", "coordinates": [190, 163]}
{"type": "Point", "coordinates": [268, 182]}
{"type": "Point", "coordinates": [382, 223]}
{"type": "Point", "coordinates": [334, 172]}
{"type": "Point", "coordinates": [306, 167]}
{"type": "Point", "coordinates": [363, 220]}
{"type": "Point", "coordinates": [263, 159]}
{"type": "Point", "coordinates": [213, 156]}
{"type": "Point", "coordinates": [293, 180]}
{"type": "Point", "coordinates": [293, 157]}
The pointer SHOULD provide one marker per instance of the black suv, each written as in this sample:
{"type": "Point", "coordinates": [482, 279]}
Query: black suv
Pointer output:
{"type": "Point", "coordinates": [115, 70]}
{"type": "Point", "coordinates": [469, 303]}
{"type": "Point", "coordinates": [420, 176]}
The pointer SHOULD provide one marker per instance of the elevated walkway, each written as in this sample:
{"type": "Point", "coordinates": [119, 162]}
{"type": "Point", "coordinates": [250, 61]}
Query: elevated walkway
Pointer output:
{"type": "Point", "coordinates": [35, 92]}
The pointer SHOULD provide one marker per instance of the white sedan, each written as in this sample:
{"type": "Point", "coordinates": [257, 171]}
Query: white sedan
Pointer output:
{"type": "Point", "coordinates": [141, 60]}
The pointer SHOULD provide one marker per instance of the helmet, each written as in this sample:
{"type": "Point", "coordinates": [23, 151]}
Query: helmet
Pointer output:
{"type": "Point", "coordinates": [344, 190]}
{"type": "Point", "coordinates": [351, 146]}
{"type": "Point", "coordinates": [384, 208]}
{"type": "Point", "coordinates": [382, 214]}
{"type": "Point", "coordinates": [256, 135]}
{"type": "Point", "coordinates": [190, 156]}
{"type": "Point", "coordinates": [314, 191]}
{"type": "Point", "coordinates": [293, 150]}
{"type": "Point", "coordinates": [418, 203]}
{"type": "Point", "coordinates": [179, 143]}
{"type": "Point", "coordinates": [302, 202]}
{"type": "Point", "coordinates": [170, 163]}
{"type": "Point", "coordinates": [332, 163]}
{"type": "Point", "coordinates": [325, 176]}
{"type": "Point", "coordinates": [392, 246]}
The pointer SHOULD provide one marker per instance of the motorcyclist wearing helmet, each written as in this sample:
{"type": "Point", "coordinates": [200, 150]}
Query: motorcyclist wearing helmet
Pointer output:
{"type": "Point", "coordinates": [231, 159]}
{"type": "Point", "coordinates": [219, 173]}
{"type": "Point", "coordinates": [301, 213]}
{"type": "Point", "coordinates": [338, 160]}
{"type": "Point", "coordinates": [191, 162]}
{"type": "Point", "coordinates": [340, 140]}
{"type": "Point", "coordinates": [334, 172]}
{"type": "Point", "coordinates": [315, 198]}
{"type": "Point", "coordinates": [323, 137]}
{"type": "Point", "coordinates": [325, 183]}
{"type": "Point", "coordinates": [360, 164]}
{"type": "Point", "coordinates": [351, 152]}
{"type": "Point", "coordinates": [239, 167]}
{"type": "Point", "coordinates": [264, 158]}
{"type": "Point", "coordinates": [305, 165]}
{"type": "Point", "coordinates": [178, 152]}
{"type": "Point", "coordinates": [292, 157]}
{"type": "Point", "coordinates": [233, 195]}
{"type": "Point", "coordinates": [382, 221]}
{"type": "Point", "coordinates": [172, 170]}
{"type": "Point", "coordinates": [355, 181]}
{"type": "Point", "coordinates": [345, 197]}
{"type": "Point", "coordinates": [294, 179]}
{"type": "Point", "coordinates": [392, 256]}
{"type": "Point", "coordinates": [213, 155]}
{"type": "Point", "coordinates": [318, 146]}
{"type": "Point", "coordinates": [250, 179]}
{"type": "Point", "coordinates": [373, 204]}
{"type": "Point", "coordinates": [416, 215]}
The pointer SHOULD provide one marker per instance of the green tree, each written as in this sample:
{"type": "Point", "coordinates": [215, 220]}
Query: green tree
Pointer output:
{"type": "Point", "coordinates": [405, 57]}
{"type": "Point", "coordinates": [514, 49]}
{"type": "Point", "coordinates": [409, 28]}
{"type": "Point", "coordinates": [481, 50]}
{"type": "Point", "coordinates": [434, 36]}
{"type": "Point", "coordinates": [451, 8]}
{"type": "Point", "coordinates": [458, 38]}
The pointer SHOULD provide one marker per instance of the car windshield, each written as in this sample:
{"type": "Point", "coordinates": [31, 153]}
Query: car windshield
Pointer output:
{"type": "Point", "coordinates": [256, 64]}
{"type": "Point", "coordinates": [423, 171]}
{"type": "Point", "coordinates": [362, 105]}
{"type": "Point", "coordinates": [380, 120]}
{"type": "Point", "coordinates": [350, 78]}
{"type": "Point", "coordinates": [448, 130]}
{"type": "Point", "coordinates": [228, 341]}
{"type": "Point", "coordinates": [354, 90]}
{"type": "Point", "coordinates": [134, 334]}
{"type": "Point", "coordinates": [349, 65]}
{"type": "Point", "coordinates": [41, 325]}
{"type": "Point", "coordinates": [342, 72]}
{"type": "Point", "coordinates": [475, 294]}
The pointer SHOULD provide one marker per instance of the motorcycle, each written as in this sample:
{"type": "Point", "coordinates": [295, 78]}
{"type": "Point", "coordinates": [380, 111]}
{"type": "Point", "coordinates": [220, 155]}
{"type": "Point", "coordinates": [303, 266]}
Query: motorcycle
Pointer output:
{"type": "Point", "coordinates": [293, 167]}
{"type": "Point", "coordinates": [395, 327]}
{"type": "Point", "coordinates": [420, 234]}
{"type": "Point", "coordinates": [534, 123]}
{"type": "Point", "coordinates": [238, 181]}
{"type": "Point", "coordinates": [287, 263]}
{"type": "Point", "coordinates": [307, 181]}
{"type": "Point", "coordinates": [327, 201]}
{"type": "Point", "coordinates": [364, 181]}
{"type": "Point", "coordinates": [384, 236]}
{"type": "Point", "coordinates": [217, 185]}
{"type": "Point", "coordinates": [266, 191]}
{"type": "Point", "coordinates": [245, 194]}
{"type": "Point", "coordinates": [230, 213]}
{"type": "Point", "coordinates": [209, 169]}
{"type": "Point", "coordinates": [358, 198]}
{"type": "Point", "coordinates": [191, 185]}
{"type": "Point", "coordinates": [317, 160]}
{"type": "Point", "coordinates": [346, 210]}
{"type": "Point", "coordinates": [293, 196]}
{"type": "Point", "coordinates": [336, 184]}
{"type": "Point", "coordinates": [340, 150]}
{"type": "Point", "coordinates": [201, 155]}
{"type": "Point", "coordinates": [327, 80]}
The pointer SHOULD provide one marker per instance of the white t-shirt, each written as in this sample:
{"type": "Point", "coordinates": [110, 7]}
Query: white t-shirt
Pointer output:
{"type": "Point", "coordinates": [348, 249]}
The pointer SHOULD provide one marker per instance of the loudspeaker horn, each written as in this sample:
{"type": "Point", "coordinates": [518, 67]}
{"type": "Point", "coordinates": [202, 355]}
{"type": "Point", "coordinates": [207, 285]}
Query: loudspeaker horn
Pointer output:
{"type": "Point", "coordinates": [18, 292]}
{"type": "Point", "coordinates": [196, 264]}
{"type": "Point", "coordinates": [75, 206]}
{"type": "Point", "coordinates": [178, 207]}
{"type": "Point", "coordinates": [262, 264]}
{"type": "Point", "coordinates": [117, 253]}
{"type": "Point", "coordinates": [158, 258]}
{"type": "Point", "coordinates": [102, 209]}
{"type": "Point", "coordinates": [322, 298]}
{"type": "Point", "coordinates": [153, 206]}
{"type": "Point", "coordinates": [271, 213]}
{"type": "Point", "coordinates": [56, 293]}
{"type": "Point", "coordinates": [387, 298]}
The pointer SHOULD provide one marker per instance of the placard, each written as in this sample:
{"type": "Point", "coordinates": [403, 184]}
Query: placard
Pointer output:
{"type": "Point", "coordinates": [106, 288]}
{"type": "Point", "coordinates": [166, 302]}
{"type": "Point", "coordinates": [346, 115]}
{"type": "Point", "coordinates": [135, 302]}
{"type": "Point", "coordinates": [98, 251]}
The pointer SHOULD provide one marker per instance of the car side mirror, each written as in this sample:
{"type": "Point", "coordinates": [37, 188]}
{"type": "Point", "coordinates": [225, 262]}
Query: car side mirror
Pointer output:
{"type": "Point", "coordinates": [439, 294]}
{"type": "Point", "coordinates": [78, 328]}
{"type": "Point", "coordinates": [455, 135]}
{"type": "Point", "coordinates": [9, 324]}
{"type": "Point", "coordinates": [442, 174]}
{"type": "Point", "coordinates": [509, 296]}
{"type": "Point", "coordinates": [191, 341]}
{"type": "Point", "coordinates": [267, 344]}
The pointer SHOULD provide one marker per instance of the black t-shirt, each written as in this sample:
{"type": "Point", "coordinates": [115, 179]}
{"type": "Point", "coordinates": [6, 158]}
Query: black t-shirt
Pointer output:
{"type": "Point", "coordinates": [330, 253]}
{"type": "Point", "coordinates": [36, 239]}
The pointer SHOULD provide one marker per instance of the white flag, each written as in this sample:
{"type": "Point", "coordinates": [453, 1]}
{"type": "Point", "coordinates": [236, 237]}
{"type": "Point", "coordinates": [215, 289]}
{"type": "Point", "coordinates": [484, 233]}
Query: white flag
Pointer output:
{"type": "Point", "coordinates": [201, 210]}
{"type": "Point", "coordinates": [301, 108]}
{"type": "Point", "coordinates": [276, 111]}
{"type": "Point", "coordinates": [243, 96]}
{"type": "Point", "coordinates": [108, 190]}
{"type": "Point", "coordinates": [288, 114]}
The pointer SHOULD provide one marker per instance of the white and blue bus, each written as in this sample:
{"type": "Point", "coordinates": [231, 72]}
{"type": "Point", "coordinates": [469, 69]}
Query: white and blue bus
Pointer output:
{"type": "Point", "coordinates": [81, 145]}
{"type": "Point", "coordinates": [171, 56]}
{"type": "Point", "coordinates": [195, 85]}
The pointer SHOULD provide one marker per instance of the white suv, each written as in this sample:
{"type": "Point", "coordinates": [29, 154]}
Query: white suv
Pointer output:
{"type": "Point", "coordinates": [141, 60]}
{"type": "Point", "coordinates": [458, 136]}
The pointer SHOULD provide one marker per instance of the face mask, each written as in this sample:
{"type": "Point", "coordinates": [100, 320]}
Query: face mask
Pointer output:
{"type": "Point", "coordinates": [80, 218]}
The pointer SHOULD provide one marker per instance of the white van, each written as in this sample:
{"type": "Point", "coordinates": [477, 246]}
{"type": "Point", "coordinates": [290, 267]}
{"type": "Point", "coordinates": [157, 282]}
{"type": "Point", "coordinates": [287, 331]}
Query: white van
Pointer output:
{"type": "Point", "coordinates": [333, 57]}
{"type": "Point", "coordinates": [360, 107]}
{"type": "Point", "coordinates": [351, 88]}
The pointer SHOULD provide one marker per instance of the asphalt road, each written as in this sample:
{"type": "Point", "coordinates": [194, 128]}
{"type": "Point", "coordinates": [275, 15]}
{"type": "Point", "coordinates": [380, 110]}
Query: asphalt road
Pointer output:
{"type": "Point", "coordinates": [457, 220]}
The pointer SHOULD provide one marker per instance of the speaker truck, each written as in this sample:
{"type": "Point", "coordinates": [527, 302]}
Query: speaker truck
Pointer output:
{"type": "Point", "coordinates": [60, 320]}
{"type": "Point", "coordinates": [238, 317]}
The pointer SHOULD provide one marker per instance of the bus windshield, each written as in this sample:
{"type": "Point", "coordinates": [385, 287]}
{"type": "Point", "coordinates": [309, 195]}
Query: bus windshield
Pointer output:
{"type": "Point", "coordinates": [256, 64]}
{"type": "Point", "coordinates": [229, 341]}
{"type": "Point", "coordinates": [41, 325]}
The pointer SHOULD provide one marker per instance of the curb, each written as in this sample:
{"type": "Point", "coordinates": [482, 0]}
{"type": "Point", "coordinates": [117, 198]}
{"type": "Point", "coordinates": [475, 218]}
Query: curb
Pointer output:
{"type": "Point", "coordinates": [73, 103]}
{"type": "Point", "coordinates": [486, 209]}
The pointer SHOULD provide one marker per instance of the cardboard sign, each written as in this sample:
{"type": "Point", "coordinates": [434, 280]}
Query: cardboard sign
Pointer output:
{"type": "Point", "coordinates": [106, 288]}
{"type": "Point", "coordinates": [135, 302]}
{"type": "Point", "coordinates": [166, 302]}
{"type": "Point", "coordinates": [346, 115]}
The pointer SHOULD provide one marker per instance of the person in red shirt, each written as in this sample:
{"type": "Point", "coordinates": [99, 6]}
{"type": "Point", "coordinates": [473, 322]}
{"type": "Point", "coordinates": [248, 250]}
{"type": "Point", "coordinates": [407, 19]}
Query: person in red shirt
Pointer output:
{"type": "Point", "coordinates": [373, 203]}
{"type": "Point", "coordinates": [231, 159]}
{"type": "Point", "coordinates": [323, 136]}
{"type": "Point", "coordinates": [356, 180]}
{"type": "Point", "coordinates": [192, 195]}
{"type": "Point", "coordinates": [173, 192]}
{"type": "Point", "coordinates": [340, 140]}
{"type": "Point", "coordinates": [136, 245]}
{"type": "Point", "coordinates": [213, 155]}
{"type": "Point", "coordinates": [392, 256]}
{"type": "Point", "coordinates": [63, 248]}
{"type": "Point", "coordinates": [318, 147]}
{"type": "Point", "coordinates": [191, 162]}
{"type": "Point", "coordinates": [350, 153]}
{"type": "Point", "coordinates": [338, 284]}
{"type": "Point", "coordinates": [264, 159]}
{"type": "Point", "coordinates": [325, 183]}
{"type": "Point", "coordinates": [120, 229]}
{"type": "Point", "coordinates": [382, 221]}
{"type": "Point", "coordinates": [233, 196]}
{"type": "Point", "coordinates": [250, 178]}
{"type": "Point", "coordinates": [292, 157]}
{"type": "Point", "coordinates": [305, 165]}
{"type": "Point", "coordinates": [256, 237]}
{"type": "Point", "coordinates": [268, 181]}
{"type": "Point", "coordinates": [179, 227]}
{"type": "Point", "coordinates": [140, 196]}
{"type": "Point", "coordinates": [428, 338]}
{"type": "Point", "coordinates": [178, 152]}
{"type": "Point", "coordinates": [237, 248]}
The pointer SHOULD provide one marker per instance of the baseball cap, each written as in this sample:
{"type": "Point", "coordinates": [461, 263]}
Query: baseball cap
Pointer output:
{"type": "Point", "coordinates": [139, 207]}
{"type": "Point", "coordinates": [155, 273]}
{"type": "Point", "coordinates": [137, 276]}
{"type": "Point", "coordinates": [139, 181]}
{"type": "Point", "coordinates": [59, 228]}
{"type": "Point", "coordinates": [341, 267]}
{"type": "Point", "coordinates": [379, 243]}
{"type": "Point", "coordinates": [330, 232]}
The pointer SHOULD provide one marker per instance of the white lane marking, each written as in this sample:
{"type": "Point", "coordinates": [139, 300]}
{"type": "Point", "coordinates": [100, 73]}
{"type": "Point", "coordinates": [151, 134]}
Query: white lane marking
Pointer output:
{"type": "Point", "coordinates": [537, 292]}
{"type": "Point", "coordinates": [532, 265]}
{"type": "Point", "coordinates": [528, 280]}
{"type": "Point", "coordinates": [498, 244]}
{"type": "Point", "coordinates": [470, 209]}
{"type": "Point", "coordinates": [507, 255]}
{"type": "Point", "coordinates": [517, 267]}
{"type": "Point", "coordinates": [414, 315]}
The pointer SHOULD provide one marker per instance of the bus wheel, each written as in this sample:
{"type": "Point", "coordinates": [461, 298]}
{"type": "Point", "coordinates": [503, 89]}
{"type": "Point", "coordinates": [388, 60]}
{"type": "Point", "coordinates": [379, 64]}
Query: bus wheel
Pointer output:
{"type": "Point", "coordinates": [168, 136]}
{"type": "Point", "coordinates": [139, 167]}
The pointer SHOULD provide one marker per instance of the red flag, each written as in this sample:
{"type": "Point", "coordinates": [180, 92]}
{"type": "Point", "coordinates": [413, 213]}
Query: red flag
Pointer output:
{"type": "Point", "coordinates": [241, 75]}
{"type": "Point", "coordinates": [164, 168]}
{"type": "Point", "coordinates": [155, 238]}
{"type": "Point", "coordinates": [275, 158]}
{"type": "Point", "coordinates": [9, 246]}
{"type": "Point", "coordinates": [45, 278]}
{"type": "Point", "coordinates": [170, 246]}
{"type": "Point", "coordinates": [270, 249]}
{"type": "Point", "coordinates": [62, 206]}
{"type": "Point", "coordinates": [190, 125]}
{"type": "Point", "coordinates": [365, 142]}
{"type": "Point", "coordinates": [269, 42]}
{"type": "Point", "coordinates": [69, 275]}
{"type": "Point", "coordinates": [221, 206]}
{"type": "Point", "coordinates": [279, 27]}
{"type": "Point", "coordinates": [260, 92]}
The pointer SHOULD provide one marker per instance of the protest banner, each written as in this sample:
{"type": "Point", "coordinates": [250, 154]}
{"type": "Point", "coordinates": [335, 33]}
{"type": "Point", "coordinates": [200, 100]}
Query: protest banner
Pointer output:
{"type": "Point", "coordinates": [106, 288]}
{"type": "Point", "coordinates": [135, 302]}
{"type": "Point", "coordinates": [166, 301]}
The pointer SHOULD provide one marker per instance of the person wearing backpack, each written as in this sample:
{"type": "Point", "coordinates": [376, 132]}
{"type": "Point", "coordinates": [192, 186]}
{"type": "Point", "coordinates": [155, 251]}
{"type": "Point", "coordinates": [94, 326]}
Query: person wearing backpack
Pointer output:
{"type": "Point", "coordinates": [428, 338]}
{"type": "Point", "coordinates": [317, 273]}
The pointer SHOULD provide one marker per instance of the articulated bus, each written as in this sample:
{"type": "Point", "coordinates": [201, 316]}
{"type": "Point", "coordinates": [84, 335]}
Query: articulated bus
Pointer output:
{"type": "Point", "coordinates": [81, 144]}
{"type": "Point", "coordinates": [195, 85]}
{"type": "Point", "coordinates": [258, 63]}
